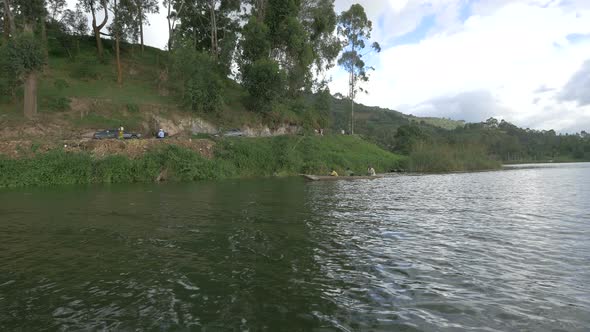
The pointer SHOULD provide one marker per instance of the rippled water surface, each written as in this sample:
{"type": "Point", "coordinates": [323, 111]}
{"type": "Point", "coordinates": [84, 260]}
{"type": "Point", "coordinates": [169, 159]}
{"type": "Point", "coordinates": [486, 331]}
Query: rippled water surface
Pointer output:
{"type": "Point", "coordinates": [494, 251]}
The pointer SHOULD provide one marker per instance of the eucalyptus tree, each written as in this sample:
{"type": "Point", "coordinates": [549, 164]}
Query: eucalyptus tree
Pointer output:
{"type": "Point", "coordinates": [144, 7]}
{"type": "Point", "coordinates": [8, 18]}
{"type": "Point", "coordinates": [320, 20]}
{"type": "Point", "coordinates": [174, 9]}
{"type": "Point", "coordinates": [354, 30]}
{"type": "Point", "coordinates": [122, 27]}
{"type": "Point", "coordinates": [24, 53]}
{"type": "Point", "coordinates": [75, 25]}
{"type": "Point", "coordinates": [56, 8]}
{"type": "Point", "coordinates": [296, 35]}
{"type": "Point", "coordinates": [3, 23]}
{"type": "Point", "coordinates": [92, 7]}
{"type": "Point", "coordinates": [211, 26]}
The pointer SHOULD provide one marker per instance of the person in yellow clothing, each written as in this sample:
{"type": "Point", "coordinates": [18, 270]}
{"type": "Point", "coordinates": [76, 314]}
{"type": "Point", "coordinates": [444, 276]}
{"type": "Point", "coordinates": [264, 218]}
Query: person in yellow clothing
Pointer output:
{"type": "Point", "coordinates": [121, 131]}
{"type": "Point", "coordinates": [333, 173]}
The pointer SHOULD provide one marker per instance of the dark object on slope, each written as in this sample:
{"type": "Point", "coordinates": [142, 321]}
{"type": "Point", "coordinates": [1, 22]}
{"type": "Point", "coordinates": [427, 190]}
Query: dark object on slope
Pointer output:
{"type": "Point", "coordinates": [114, 133]}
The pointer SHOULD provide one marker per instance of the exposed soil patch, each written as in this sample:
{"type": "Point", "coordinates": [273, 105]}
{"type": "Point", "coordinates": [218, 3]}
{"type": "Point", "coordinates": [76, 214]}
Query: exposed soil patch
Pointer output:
{"type": "Point", "coordinates": [102, 148]}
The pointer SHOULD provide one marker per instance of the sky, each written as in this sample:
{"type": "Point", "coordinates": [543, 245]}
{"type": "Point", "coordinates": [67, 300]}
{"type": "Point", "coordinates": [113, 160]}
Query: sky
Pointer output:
{"type": "Point", "coordinates": [525, 61]}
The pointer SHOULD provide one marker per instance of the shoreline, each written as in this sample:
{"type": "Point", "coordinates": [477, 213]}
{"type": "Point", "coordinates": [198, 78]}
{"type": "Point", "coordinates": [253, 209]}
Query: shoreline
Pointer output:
{"type": "Point", "coordinates": [231, 158]}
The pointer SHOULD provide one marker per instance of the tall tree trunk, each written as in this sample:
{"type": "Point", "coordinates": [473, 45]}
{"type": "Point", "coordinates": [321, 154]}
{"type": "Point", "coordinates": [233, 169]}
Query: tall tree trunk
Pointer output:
{"type": "Point", "coordinates": [117, 49]}
{"type": "Point", "coordinates": [141, 31]}
{"type": "Point", "coordinates": [169, 25]}
{"type": "Point", "coordinates": [117, 44]}
{"type": "Point", "coordinates": [30, 95]}
{"type": "Point", "coordinates": [6, 28]}
{"type": "Point", "coordinates": [44, 37]}
{"type": "Point", "coordinates": [214, 48]}
{"type": "Point", "coordinates": [260, 9]}
{"type": "Point", "coordinates": [30, 102]}
{"type": "Point", "coordinates": [140, 20]}
{"type": "Point", "coordinates": [352, 103]}
{"type": "Point", "coordinates": [8, 20]}
{"type": "Point", "coordinates": [97, 28]}
{"type": "Point", "coordinates": [172, 22]}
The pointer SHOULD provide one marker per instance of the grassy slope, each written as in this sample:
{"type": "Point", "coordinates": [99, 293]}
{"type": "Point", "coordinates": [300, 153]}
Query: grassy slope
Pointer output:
{"type": "Point", "coordinates": [287, 155]}
{"type": "Point", "coordinates": [84, 78]}
{"type": "Point", "coordinates": [81, 92]}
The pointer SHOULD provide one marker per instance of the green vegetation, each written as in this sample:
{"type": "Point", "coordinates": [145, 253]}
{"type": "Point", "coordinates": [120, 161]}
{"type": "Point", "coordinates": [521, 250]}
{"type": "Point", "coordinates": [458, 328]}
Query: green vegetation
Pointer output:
{"type": "Point", "coordinates": [233, 63]}
{"type": "Point", "coordinates": [435, 147]}
{"type": "Point", "coordinates": [446, 158]}
{"type": "Point", "coordinates": [305, 154]}
{"type": "Point", "coordinates": [255, 157]}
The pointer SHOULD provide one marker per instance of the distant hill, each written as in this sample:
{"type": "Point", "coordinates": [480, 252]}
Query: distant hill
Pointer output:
{"type": "Point", "coordinates": [368, 117]}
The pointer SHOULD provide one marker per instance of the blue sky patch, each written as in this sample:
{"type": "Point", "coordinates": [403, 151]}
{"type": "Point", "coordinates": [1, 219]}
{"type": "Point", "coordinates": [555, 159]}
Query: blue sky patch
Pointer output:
{"type": "Point", "coordinates": [465, 11]}
{"type": "Point", "coordinates": [577, 37]}
{"type": "Point", "coordinates": [418, 34]}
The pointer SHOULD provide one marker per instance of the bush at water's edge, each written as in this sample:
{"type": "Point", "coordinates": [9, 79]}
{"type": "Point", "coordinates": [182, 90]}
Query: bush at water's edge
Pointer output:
{"type": "Point", "coordinates": [243, 157]}
{"type": "Point", "coordinates": [445, 158]}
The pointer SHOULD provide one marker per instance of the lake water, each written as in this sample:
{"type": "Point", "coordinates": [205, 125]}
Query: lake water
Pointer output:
{"type": "Point", "coordinates": [492, 251]}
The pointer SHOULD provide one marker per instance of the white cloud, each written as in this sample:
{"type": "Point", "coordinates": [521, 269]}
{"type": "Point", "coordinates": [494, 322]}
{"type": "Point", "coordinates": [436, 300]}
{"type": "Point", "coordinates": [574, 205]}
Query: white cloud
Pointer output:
{"type": "Point", "coordinates": [578, 87]}
{"type": "Point", "coordinates": [510, 50]}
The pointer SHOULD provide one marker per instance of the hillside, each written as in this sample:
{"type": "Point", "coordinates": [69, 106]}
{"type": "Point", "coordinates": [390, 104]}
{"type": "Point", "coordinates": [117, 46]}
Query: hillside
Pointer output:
{"type": "Point", "coordinates": [78, 95]}
{"type": "Point", "coordinates": [369, 118]}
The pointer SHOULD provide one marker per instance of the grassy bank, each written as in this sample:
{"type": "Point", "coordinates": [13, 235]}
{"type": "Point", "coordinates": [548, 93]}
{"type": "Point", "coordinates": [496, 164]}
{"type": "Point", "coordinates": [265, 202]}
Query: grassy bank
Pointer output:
{"type": "Point", "coordinates": [445, 158]}
{"type": "Point", "coordinates": [234, 158]}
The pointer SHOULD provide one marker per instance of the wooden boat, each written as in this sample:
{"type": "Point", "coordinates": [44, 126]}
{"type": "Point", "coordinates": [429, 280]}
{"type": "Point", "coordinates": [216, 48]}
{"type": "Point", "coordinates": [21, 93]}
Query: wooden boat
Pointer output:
{"type": "Point", "coordinates": [337, 178]}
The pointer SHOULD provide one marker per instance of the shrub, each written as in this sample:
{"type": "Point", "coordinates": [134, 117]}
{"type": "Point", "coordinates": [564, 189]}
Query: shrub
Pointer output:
{"type": "Point", "coordinates": [265, 82]}
{"type": "Point", "coordinates": [201, 84]}
{"type": "Point", "coordinates": [56, 104]}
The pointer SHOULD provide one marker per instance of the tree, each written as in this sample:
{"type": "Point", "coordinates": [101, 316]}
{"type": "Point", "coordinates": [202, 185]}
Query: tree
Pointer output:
{"type": "Point", "coordinates": [123, 26]}
{"type": "Point", "coordinates": [4, 24]}
{"type": "Point", "coordinates": [92, 6]}
{"type": "Point", "coordinates": [211, 26]}
{"type": "Point", "coordinates": [27, 53]}
{"type": "Point", "coordinates": [56, 8]}
{"type": "Point", "coordinates": [75, 25]}
{"type": "Point", "coordinates": [354, 29]}
{"type": "Point", "coordinates": [319, 20]}
{"type": "Point", "coordinates": [143, 8]}
{"type": "Point", "coordinates": [323, 105]}
{"type": "Point", "coordinates": [492, 123]}
{"type": "Point", "coordinates": [265, 82]}
{"type": "Point", "coordinates": [406, 137]}
{"type": "Point", "coordinates": [174, 8]}
{"type": "Point", "coordinates": [8, 17]}
{"type": "Point", "coordinates": [200, 84]}
{"type": "Point", "coordinates": [20, 60]}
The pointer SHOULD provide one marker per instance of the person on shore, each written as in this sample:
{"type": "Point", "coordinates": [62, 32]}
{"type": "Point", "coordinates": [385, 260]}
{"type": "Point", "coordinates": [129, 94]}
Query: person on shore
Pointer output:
{"type": "Point", "coordinates": [371, 171]}
{"type": "Point", "coordinates": [349, 172]}
{"type": "Point", "coordinates": [333, 173]}
{"type": "Point", "coordinates": [161, 134]}
{"type": "Point", "coordinates": [121, 132]}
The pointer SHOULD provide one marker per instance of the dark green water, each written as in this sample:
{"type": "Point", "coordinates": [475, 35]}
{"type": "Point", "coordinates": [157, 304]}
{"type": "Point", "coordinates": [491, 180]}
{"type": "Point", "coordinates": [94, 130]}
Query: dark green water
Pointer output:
{"type": "Point", "coordinates": [497, 251]}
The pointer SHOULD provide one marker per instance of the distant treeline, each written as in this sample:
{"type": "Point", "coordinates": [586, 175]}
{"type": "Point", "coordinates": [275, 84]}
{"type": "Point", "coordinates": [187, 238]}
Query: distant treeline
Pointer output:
{"type": "Point", "coordinates": [467, 147]}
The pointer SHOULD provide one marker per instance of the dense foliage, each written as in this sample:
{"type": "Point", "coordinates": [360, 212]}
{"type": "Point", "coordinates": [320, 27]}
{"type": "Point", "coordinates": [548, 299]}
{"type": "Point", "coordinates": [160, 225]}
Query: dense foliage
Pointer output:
{"type": "Point", "coordinates": [201, 85]}
{"type": "Point", "coordinates": [233, 158]}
